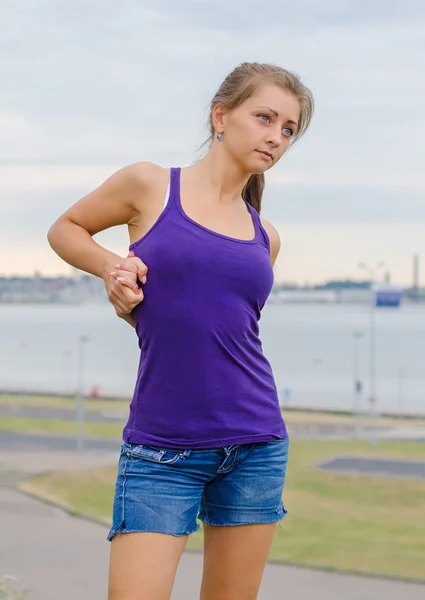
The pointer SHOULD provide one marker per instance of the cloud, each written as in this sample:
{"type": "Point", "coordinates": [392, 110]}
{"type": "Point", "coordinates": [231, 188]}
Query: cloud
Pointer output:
{"type": "Point", "coordinates": [90, 87]}
{"type": "Point", "coordinates": [343, 205]}
{"type": "Point", "coordinates": [26, 177]}
{"type": "Point", "coordinates": [314, 253]}
{"type": "Point", "coordinates": [16, 177]}
{"type": "Point", "coordinates": [102, 83]}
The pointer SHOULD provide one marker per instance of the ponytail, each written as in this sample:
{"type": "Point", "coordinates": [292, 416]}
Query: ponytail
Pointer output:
{"type": "Point", "coordinates": [253, 191]}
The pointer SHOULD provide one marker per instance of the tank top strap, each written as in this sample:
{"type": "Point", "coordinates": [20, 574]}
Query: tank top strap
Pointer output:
{"type": "Point", "coordinates": [260, 232]}
{"type": "Point", "coordinates": [174, 186]}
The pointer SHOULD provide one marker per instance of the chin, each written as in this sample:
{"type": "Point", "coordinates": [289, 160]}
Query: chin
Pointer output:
{"type": "Point", "coordinates": [258, 169]}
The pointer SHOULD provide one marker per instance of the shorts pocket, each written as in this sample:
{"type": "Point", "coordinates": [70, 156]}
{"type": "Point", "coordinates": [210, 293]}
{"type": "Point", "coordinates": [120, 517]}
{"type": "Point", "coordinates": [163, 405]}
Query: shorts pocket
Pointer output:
{"type": "Point", "coordinates": [164, 456]}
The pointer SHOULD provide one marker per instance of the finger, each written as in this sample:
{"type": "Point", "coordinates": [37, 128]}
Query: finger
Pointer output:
{"type": "Point", "coordinates": [119, 290]}
{"type": "Point", "coordinates": [142, 272]}
{"type": "Point", "coordinates": [126, 294]}
{"type": "Point", "coordinates": [129, 284]}
{"type": "Point", "coordinates": [123, 307]}
{"type": "Point", "coordinates": [142, 269]}
{"type": "Point", "coordinates": [130, 275]}
{"type": "Point", "coordinates": [123, 298]}
{"type": "Point", "coordinates": [128, 266]}
{"type": "Point", "coordinates": [135, 265]}
{"type": "Point", "coordinates": [133, 287]}
{"type": "Point", "coordinates": [126, 281]}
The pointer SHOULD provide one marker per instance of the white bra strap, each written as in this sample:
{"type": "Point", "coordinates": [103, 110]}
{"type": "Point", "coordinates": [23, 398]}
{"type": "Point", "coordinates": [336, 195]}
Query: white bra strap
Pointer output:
{"type": "Point", "coordinates": [167, 196]}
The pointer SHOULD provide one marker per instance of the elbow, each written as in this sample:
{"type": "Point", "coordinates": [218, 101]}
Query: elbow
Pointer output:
{"type": "Point", "coordinates": [55, 234]}
{"type": "Point", "coordinates": [51, 235]}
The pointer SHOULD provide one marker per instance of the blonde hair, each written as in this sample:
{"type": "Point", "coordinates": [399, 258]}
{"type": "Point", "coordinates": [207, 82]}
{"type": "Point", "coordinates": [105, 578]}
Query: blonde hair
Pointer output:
{"type": "Point", "coordinates": [240, 85]}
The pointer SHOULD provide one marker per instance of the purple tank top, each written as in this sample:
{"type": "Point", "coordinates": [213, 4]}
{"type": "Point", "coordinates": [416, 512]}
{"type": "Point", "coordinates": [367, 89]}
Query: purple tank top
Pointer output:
{"type": "Point", "coordinates": [203, 380]}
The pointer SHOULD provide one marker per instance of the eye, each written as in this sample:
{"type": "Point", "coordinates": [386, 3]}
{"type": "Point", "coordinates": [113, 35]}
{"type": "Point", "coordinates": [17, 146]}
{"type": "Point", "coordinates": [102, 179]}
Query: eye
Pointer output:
{"type": "Point", "coordinates": [288, 131]}
{"type": "Point", "coordinates": [264, 118]}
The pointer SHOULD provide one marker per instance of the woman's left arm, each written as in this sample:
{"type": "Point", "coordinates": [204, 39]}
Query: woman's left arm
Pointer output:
{"type": "Point", "coordinates": [274, 239]}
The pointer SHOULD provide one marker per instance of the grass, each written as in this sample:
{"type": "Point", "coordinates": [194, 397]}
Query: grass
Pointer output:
{"type": "Point", "coordinates": [363, 524]}
{"type": "Point", "coordinates": [120, 406]}
{"type": "Point", "coordinates": [367, 524]}
{"type": "Point", "coordinates": [60, 426]}
{"type": "Point", "coordinates": [65, 402]}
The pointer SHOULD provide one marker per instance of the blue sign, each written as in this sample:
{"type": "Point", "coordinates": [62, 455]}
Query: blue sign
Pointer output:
{"type": "Point", "coordinates": [390, 297]}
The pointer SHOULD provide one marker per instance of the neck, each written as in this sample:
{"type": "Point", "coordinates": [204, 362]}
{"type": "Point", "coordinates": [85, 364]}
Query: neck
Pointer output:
{"type": "Point", "coordinates": [223, 175]}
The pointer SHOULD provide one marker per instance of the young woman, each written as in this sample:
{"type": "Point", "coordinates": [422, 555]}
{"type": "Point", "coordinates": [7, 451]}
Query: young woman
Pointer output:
{"type": "Point", "coordinates": [205, 437]}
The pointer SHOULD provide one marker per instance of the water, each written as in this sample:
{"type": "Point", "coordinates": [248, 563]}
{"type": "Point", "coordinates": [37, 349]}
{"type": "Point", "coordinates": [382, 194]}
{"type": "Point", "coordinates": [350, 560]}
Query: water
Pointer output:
{"type": "Point", "coordinates": [312, 350]}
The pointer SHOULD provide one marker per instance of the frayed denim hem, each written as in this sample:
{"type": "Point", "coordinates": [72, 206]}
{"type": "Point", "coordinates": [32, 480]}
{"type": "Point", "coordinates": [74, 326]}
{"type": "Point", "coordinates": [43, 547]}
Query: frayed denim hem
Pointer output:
{"type": "Point", "coordinates": [120, 529]}
{"type": "Point", "coordinates": [280, 514]}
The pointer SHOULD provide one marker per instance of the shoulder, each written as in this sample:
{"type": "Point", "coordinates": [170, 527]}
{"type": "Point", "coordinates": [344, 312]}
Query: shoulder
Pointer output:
{"type": "Point", "coordinates": [138, 185]}
{"type": "Point", "coordinates": [273, 237]}
{"type": "Point", "coordinates": [143, 175]}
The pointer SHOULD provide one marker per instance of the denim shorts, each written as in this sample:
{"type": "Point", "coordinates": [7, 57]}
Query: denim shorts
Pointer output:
{"type": "Point", "coordinates": [168, 491]}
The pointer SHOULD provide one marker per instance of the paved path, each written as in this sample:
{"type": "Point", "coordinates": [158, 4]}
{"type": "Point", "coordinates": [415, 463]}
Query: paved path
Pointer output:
{"type": "Point", "coordinates": [384, 467]}
{"type": "Point", "coordinates": [59, 557]}
{"type": "Point", "coordinates": [300, 425]}
{"type": "Point", "coordinates": [29, 451]}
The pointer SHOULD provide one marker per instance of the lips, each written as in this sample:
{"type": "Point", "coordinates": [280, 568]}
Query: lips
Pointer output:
{"type": "Point", "coordinates": [266, 154]}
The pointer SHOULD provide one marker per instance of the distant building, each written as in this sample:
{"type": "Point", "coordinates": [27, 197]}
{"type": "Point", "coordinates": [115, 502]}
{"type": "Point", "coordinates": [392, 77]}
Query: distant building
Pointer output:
{"type": "Point", "coordinates": [63, 290]}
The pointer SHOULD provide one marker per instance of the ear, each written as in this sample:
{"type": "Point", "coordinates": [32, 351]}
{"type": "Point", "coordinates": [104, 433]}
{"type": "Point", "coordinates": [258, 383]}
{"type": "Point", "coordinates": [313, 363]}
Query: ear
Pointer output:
{"type": "Point", "coordinates": [218, 113]}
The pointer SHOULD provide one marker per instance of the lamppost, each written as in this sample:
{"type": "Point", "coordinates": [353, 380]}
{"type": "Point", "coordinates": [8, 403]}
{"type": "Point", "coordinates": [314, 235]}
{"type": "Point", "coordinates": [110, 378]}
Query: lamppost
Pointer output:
{"type": "Point", "coordinates": [82, 339]}
{"type": "Point", "coordinates": [372, 396]}
{"type": "Point", "coordinates": [357, 384]}
{"type": "Point", "coordinates": [67, 370]}
{"type": "Point", "coordinates": [401, 372]}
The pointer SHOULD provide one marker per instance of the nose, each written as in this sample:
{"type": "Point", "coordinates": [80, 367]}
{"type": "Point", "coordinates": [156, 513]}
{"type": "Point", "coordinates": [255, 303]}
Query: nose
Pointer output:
{"type": "Point", "coordinates": [274, 137]}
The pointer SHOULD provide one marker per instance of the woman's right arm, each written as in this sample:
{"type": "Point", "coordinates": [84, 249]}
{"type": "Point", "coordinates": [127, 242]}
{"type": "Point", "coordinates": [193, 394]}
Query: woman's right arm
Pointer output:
{"type": "Point", "coordinates": [115, 202]}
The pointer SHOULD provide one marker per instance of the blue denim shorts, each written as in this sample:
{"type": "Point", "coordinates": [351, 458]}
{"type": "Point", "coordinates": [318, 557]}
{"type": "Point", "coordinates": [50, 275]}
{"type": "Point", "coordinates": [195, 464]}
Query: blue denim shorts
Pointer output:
{"type": "Point", "coordinates": [168, 491]}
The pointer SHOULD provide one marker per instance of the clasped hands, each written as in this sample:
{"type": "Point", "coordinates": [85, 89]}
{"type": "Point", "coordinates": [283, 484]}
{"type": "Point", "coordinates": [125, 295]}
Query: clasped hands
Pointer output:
{"type": "Point", "coordinates": [122, 284]}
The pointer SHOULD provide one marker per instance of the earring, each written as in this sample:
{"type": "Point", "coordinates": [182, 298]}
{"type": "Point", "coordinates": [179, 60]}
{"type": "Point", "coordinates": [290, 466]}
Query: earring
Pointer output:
{"type": "Point", "coordinates": [219, 137]}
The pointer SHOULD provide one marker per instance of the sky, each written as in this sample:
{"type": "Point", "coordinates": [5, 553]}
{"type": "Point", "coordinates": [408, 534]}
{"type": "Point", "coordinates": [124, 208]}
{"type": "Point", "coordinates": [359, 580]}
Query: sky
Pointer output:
{"type": "Point", "coordinates": [88, 87]}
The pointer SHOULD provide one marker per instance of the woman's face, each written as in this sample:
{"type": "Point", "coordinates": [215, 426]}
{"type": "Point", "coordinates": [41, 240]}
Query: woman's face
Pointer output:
{"type": "Point", "coordinates": [259, 131]}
